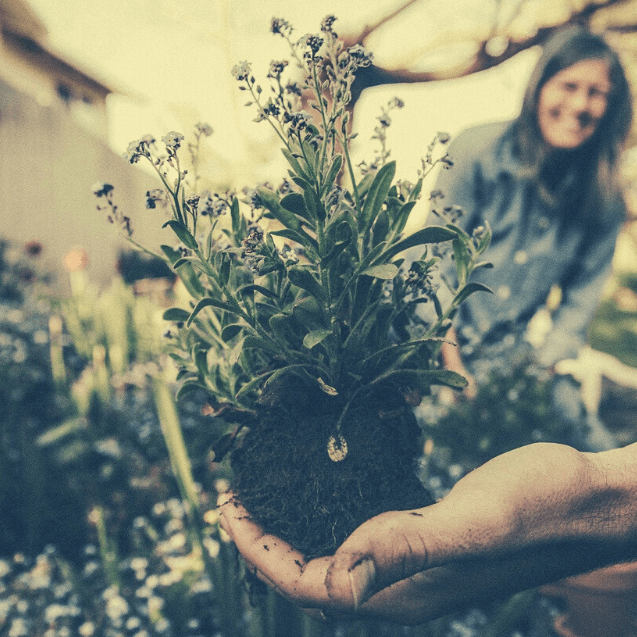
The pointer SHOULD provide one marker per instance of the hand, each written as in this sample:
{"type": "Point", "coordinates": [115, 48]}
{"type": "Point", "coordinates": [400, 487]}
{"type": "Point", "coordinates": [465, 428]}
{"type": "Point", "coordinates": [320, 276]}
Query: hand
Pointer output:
{"type": "Point", "coordinates": [528, 517]}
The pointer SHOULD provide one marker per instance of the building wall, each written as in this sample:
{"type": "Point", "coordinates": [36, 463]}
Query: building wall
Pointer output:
{"type": "Point", "coordinates": [48, 166]}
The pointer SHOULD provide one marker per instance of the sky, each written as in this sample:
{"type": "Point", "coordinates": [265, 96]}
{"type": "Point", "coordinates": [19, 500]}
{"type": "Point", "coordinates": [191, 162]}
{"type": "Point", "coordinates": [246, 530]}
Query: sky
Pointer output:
{"type": "Point", "coordinates": [170, 62]}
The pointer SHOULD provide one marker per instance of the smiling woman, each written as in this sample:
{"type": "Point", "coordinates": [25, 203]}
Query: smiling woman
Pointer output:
{"type": "Point", "coordinates": [547, 184]}
{"type": "Point", "coordinates": [573, 102]}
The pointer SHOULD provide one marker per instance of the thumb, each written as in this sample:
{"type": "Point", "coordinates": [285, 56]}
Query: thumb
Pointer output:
{"type": "Point", "coordinates": [382, 551]}
{"type": "Point", "coordinates": [351, 579]}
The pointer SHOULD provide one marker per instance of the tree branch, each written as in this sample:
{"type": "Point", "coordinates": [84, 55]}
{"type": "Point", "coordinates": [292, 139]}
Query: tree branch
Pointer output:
{"type": "Point", "coordinates": [481, 61]}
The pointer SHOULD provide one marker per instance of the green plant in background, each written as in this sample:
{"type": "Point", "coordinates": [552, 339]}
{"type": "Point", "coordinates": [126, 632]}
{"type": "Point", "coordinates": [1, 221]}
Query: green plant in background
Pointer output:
{"type": "Point", "coordinates": [512, 408]}
{"type": "Point", "coordinates": [123, 447]}
{"type": "Point", "coordinates": [614, 328]}
{"type": "Point", "coordinates": [33, 509]}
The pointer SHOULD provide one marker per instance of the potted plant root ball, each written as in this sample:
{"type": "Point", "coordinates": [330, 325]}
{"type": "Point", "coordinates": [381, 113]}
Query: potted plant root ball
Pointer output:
{"type": "Point", "coordinates": [311, 331]}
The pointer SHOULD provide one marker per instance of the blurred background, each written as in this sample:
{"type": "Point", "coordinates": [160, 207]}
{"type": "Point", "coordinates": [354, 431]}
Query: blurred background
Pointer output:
{"type": "Point", "coordinates": [80, 81]}
{"type": "Point", "coordinates": [96, 461]}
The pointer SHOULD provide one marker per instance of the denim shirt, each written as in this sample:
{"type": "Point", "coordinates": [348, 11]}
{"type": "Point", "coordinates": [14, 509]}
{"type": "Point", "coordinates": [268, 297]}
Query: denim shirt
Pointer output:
{"type": "Point", "coordinates": [531, 249]}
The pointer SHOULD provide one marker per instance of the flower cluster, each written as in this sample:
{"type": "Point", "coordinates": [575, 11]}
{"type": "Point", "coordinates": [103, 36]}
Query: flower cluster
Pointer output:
{"type": "Point", "coordinates": [326, 67]}
{"type": "Point", "coordinates": [279, 26]}
{"type": "Point", "coordinates": [242, 72]}
{"type": "Point", "coordinates": [139, 148]}
{"type": "Point", "coordinates": [172, 141]}
{"type": "Point", "coordinates": [276, 68]}
{"type": "Point", "coordinates": [252, 248]}
{"type": "Point", "coordinates": [156, 197]}
{"type": "Point", "coordinates": [212, 205]}
{"type": "Point", "coordinates": [420, 280]}
{"type": "Point", "coordinates": [380, 134]}
{"type": "Point", "coordinates": [446, 160]}
{"type": "Point", "coordinates": [169, 170]}
{"type": "Point", "coordinates": [114, 215]}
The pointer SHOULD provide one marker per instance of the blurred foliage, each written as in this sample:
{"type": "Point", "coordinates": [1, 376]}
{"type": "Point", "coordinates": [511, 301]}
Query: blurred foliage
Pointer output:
{"type": "Point", "coordinates": [614, 329]}
{"type": "Point", "coordinates": [512, 408]}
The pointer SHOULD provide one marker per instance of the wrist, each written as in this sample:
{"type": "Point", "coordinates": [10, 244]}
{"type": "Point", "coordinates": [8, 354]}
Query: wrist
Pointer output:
{"type": "Point", "coordinates": [615, 490]}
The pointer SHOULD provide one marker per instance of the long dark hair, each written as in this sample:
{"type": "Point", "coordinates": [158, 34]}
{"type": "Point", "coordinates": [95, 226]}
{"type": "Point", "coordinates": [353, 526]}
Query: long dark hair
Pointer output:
{"type": "Point", "coordinates": [595, 162]}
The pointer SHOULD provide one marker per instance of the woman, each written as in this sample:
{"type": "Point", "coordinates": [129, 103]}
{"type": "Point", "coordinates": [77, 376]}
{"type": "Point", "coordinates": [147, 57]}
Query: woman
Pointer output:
{"type": "Point", "coordinates": [547, 185]}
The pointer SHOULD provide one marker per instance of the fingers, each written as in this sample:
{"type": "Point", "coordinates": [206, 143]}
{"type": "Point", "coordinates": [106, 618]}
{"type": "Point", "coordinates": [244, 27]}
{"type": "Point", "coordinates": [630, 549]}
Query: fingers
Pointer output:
{"type": "Point", "coordinates": [273, 560]}
{"type": "Point", "coordinates": [384, 550]}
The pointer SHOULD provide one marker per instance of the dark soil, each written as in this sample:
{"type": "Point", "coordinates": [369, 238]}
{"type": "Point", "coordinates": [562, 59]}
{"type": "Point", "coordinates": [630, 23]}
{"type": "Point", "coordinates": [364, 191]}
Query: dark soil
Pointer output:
{"type": "Point", "coordinates": [286, 480]}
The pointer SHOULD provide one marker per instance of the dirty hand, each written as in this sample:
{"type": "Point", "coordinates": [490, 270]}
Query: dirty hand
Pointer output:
{"type": "Point", "coordinates": [528, 517]}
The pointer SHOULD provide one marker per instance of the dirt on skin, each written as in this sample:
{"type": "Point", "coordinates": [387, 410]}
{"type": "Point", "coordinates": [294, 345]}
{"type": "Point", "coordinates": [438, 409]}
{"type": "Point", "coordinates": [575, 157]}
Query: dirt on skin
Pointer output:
{"type": "Point", "coordinates": [286, 480]}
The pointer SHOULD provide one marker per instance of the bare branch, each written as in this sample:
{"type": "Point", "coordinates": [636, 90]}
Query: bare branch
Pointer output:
{"type": "Point", "coordinates": [368, 29]}
{"type": "Point", "coordinates": [482, 60]}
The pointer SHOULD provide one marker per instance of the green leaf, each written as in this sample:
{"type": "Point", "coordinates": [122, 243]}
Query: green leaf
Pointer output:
{"type": "Point", "coordinates": [289, 369]}
{"type": "Point", "coordinates": [230, 331]}
{"type": "Point", "coordinates": [301, 183]}
{"type": "Point", "coordinates": [173, 436]}
{"type": "Point", "coordinates": [415, 193]}
{"type": "Point", "coordinates": [372, 255]}
{"type": "Point", "coordinates": [459, 231]}
{"type": "Point", "coordinates": [309, 313]}
{"type": "Point", "coordinates": [55, 434]}
{"type": "Point", "coordinates": [431, 376]}
{"type": "Point", "coordinates": [469, 289]}
{"type": "Point", "coordinates": [188, 388]}
{"type": "Point", "coordinates": [176, 314]}
{"type": "Point", "coordinates": [315, 337]}
{"type": "Point", "coordinates": [437, 305]}
{"type": "Point", "coordinates": [296, 166]}
{"type": "Point", "coordinates": [298, 237]}
{"type": "Point", "coordinates": [236, 218]}
{"type": "Point", "coordinates": [253, 287]}
{"type": "Point", "coordinates": [447, 377]}
{"type": "Point", "coordinates": [201, 361]}
{"type": "Point", "coordinates": [270, 201]}
{"type": "Point", "coordinates": [182, 233]}
{"type": "Point", "coordinates": [209, 302]}
{"type": "Point", "coordinates": [402, 217]}
{"type": "Point", "coordinates": [295, 203]}
{"type": "Point", "coordinates": [172, 254]}
{"type": "Point", "coordinates": [287, 328]}
{"type": "Point", "coordinates": [386, 271]}
{"type": "Point", "coordinates": [380, 228]}
{"type": "Point", "coordinates": [336, 249]}
{"type": "Point", "coordinates": [376, 195]}
{"type": "Point", "coordinates": [184, 261]}
{"type": "Point", "coordinates": [462, 259]}
{"type": "Point", "coordinates": [332, 173]}
{"type": "Point", "coordinates": [186, 273]}
{"type": "Point", "coordinates": [304, 279]}
{"type": "Point", "coordinates": [256, 342]}
{"type": "Point", "coordinates": [430, 234]}
{"type": "Point", "coordinates": [253, 385]}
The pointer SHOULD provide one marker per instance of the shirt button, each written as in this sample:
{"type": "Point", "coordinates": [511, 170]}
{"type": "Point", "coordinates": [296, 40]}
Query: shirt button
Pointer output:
{"type": "Point", "coordinates": [521, 257]}
{"type": "Point", "coordinates": [504, 292]}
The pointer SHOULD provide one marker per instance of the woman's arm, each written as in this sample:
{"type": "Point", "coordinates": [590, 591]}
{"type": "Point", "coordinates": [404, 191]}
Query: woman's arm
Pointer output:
{"type": "Point", "coordinates": [528, 517]}
{"type": "Point", "coordinates": [452, 360]}
{"type": "Point", "coordinates": [582, 290]}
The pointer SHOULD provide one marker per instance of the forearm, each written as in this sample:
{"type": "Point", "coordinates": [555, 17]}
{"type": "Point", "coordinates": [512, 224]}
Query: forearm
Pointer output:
{"type": "Point", "coordinates": [610, 512]}
{"type": "Point", "coordinates": [549, 493]}
{"type": "Point", "coordinates": [585, 517]}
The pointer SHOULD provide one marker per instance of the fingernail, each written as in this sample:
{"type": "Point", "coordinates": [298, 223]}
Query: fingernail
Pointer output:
{"type": "Point", "coordinates": [361, 580]}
